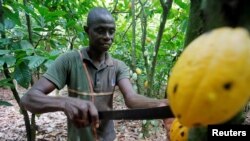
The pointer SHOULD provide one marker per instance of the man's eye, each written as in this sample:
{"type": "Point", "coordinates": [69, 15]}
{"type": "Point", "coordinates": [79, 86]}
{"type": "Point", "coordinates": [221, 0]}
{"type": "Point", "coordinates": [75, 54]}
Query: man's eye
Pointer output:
{"type": "Point", "coordinates": [112, 31]}
{"type": "Point", "coordinates": [100, 31]}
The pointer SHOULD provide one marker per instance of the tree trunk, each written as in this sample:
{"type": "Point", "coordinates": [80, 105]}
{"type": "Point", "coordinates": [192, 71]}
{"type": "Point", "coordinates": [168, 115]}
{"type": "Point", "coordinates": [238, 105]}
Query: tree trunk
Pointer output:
{"type": "Point", "coordinates": [196, 23]}
{"type": "Point", "coordinates": [233, 13]}
{"type": "Point", "coordinates": [206, 15]}
{"type": "Point", "coordinates": [13, 89]}
{"type": "Point", "coordinates": [166, 6]}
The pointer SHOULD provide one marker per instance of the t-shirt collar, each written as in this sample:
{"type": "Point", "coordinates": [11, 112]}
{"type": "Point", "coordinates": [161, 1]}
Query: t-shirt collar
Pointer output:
{"type": "Point", "coordinates": [108, 59]}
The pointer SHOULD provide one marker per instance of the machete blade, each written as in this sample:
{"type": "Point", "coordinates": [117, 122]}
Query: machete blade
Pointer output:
{"type": "Point", "coordinates": [137, 114]}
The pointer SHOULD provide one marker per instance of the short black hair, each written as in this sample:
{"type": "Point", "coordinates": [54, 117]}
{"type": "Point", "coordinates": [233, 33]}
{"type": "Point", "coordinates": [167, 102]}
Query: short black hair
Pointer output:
{"type": "Point", "coordinates": [97, 13]}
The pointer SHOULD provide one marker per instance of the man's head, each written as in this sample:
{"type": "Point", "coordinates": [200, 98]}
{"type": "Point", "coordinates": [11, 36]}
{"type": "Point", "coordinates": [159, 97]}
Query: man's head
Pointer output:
{"type": "Point", "coordinates": [100, 29]}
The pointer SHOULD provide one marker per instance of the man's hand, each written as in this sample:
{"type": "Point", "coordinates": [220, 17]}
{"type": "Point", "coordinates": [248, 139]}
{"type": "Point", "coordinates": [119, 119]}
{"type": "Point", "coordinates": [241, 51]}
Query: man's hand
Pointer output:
{"type": "Point", "coordinates": [81, 112]}
{"type": "Point", "coordinates": [163, 102]}
{"type": "Point", "coordinates": [168, 121]}
{"type": "Point", "coordinates": [167, 124]}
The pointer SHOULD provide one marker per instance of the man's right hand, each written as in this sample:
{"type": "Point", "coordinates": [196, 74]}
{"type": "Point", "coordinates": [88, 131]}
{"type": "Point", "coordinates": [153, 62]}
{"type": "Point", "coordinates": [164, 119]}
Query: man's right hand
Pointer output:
{"type": "Point", "coordinates": [167, 124]}
{"type": "Point", "coordinates": [81, 112]}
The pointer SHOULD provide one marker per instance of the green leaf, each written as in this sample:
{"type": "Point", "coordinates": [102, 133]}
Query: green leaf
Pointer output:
{"type": "Point", "coordinates": [71, 23]}
{"type": "Point", "coordinates": [38, 29]}
{"type": "Point", "coordinates": [29, 10]}
{"type": "Point", "coordinates": [1, 27]}
{"type": "Point", "coordinates": [4, 41]}
{"type": "Point", "coordinates": [54, 53]}
{"type": "Point", "coordinates": [8, 24]}
{"type": "Point", "coordinates": [29, 51]}
{"type": "Point", "coordinates": [184, 25]}
{"type": "Point", "coordinates": [25, 44]}
{"type": "Point", "coordinates": [1, 62]}
{"type": "Point", "coordinates": [20, 54]}
{"type": "Point", "coordinates": [197, 134]}
{"type": "Point", "coordinates": [42, 10]}
{"type": "Point", "coordinates": [52, 16]}
{"type": "Point", "coordinates": [181, 4]}
{"type": "Point", "coordinates": [156, 3]}
{"type": "Point", "coordinates": [9, 59]}
{"type": "Point", "coordinates": [14, 16]}
{"type": "Point", "coordinates": [22, 75]}
{"type": "Point", "coordinates": [35, 61]}
{"type": "Point", "coordinates": [2, 52]}
{"type": "Point", "coordinates": [48, 63]}
{"type": "Point", "coordinates": [5, 103]}
{"type": "Point", "coordinates": [6, 82]}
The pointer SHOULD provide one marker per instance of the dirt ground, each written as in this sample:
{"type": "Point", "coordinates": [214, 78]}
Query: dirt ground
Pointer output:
{"type": "Point", "coordinates": [52, 126]}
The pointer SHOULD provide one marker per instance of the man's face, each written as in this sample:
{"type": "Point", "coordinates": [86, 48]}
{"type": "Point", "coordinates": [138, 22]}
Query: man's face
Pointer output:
{"type": "Point", "coordinates": [101, 33]}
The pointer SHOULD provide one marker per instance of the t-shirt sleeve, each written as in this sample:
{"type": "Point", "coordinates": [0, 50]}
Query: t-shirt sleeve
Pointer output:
{"type": "Point", "coordinates": [122, 71]}
{"type": "Point", "coordinates": [58, 70]}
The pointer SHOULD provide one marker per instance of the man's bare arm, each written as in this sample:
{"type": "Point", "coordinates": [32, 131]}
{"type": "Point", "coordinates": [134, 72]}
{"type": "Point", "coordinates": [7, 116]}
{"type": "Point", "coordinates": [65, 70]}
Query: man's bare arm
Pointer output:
{"type": "Point", "coordinates": [37, 101]}
{"type": "Point", "coordinates": [134, 100]}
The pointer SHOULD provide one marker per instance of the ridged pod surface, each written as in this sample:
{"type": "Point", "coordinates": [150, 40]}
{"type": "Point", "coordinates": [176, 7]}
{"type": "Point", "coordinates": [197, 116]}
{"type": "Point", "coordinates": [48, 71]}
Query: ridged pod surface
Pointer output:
{"type": "Point", "coordinates": [178, 132]}
{"type": "Point", "coordinates": [210, 82]}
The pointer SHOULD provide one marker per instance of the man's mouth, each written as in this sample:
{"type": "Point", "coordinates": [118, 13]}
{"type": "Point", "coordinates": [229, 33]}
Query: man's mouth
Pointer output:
{"type": "Point", "coordinates": [106, 45]}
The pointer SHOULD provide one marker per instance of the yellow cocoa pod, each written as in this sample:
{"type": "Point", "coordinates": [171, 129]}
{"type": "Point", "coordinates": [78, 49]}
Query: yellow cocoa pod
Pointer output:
{"type": "Point", "coordinates": [138, 71]}
{"type": "Point", "coordinates": [209, 83]}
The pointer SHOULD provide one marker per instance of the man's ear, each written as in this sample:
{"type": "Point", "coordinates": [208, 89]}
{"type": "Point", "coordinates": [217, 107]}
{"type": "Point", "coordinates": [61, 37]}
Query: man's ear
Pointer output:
{"type": "Point", "coordinates": [86, 29]}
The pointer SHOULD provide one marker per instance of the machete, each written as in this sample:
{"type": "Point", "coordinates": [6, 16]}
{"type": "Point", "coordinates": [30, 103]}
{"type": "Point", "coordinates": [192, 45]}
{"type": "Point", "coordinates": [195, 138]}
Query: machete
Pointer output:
{"type": "Point", "coordinates": [137, 114]}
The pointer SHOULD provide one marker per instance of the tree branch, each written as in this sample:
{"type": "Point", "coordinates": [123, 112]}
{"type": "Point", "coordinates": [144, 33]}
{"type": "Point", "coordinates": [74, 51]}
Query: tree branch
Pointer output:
{"type": "Point", "coordinates": [136, 17]}
{"type": "Point", "coordinates": [133, 44]}
{"type": "Point", "coordinates": [13, 89]}
{"type": "Point", "coordinates": [28, 23]}
{"type": "Point", "coordinates": [166, 8]}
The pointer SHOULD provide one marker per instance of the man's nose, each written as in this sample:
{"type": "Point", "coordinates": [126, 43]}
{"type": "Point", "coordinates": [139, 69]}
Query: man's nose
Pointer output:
{"type": "Point", "coordinates": [107, 35]}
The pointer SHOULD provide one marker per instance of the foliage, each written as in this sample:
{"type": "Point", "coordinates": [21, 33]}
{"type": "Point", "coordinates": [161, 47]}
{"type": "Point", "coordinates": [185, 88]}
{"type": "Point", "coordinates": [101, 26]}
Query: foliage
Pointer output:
{"type": "Point", "coordinates": [35, 32]}
{"type": "Point", "coordinates": [171, 44]}
{"type": "Point", "coordinates": [5, 103]}
{"type": "Point", "coordinates": [56, 28]}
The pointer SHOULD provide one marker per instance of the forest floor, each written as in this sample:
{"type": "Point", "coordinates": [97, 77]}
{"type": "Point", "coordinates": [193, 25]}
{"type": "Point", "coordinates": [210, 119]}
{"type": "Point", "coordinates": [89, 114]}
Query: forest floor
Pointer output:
{"type": "Point", "coordinates": [53, 127]}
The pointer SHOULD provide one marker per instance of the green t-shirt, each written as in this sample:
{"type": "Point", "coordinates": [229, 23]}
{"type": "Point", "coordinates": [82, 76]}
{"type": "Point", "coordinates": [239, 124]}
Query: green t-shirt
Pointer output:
{"type": "Point", "coordinates": [68, 70]}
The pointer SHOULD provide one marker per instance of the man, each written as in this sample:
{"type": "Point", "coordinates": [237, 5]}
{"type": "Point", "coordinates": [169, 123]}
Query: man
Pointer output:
{"type": "Point", "coordinates": [91, 75]}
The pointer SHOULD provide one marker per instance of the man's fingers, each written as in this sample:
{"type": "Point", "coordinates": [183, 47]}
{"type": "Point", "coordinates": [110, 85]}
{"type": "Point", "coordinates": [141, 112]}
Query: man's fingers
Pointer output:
{"type": "Point", "coordinates": [81, 123]}
{"type": "Point", "coordinates": [81, 117]}
{"type": "Point", "coordinates": [93, 113]}
{"type": "Point", "coordinates": [168, 122]}
{"type": "Point", "coordinates": [84, 115]}
{"type": "Point", "coordinates": [70, 111]}
{"type": "Point", "coordinates": [163, 102]}
{"type": "Point", "coordinates": [81, 113]}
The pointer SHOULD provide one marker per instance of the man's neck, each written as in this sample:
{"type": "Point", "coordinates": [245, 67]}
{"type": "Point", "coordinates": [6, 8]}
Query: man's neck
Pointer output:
{"type": "Point", "coordinates": [97, 57]}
